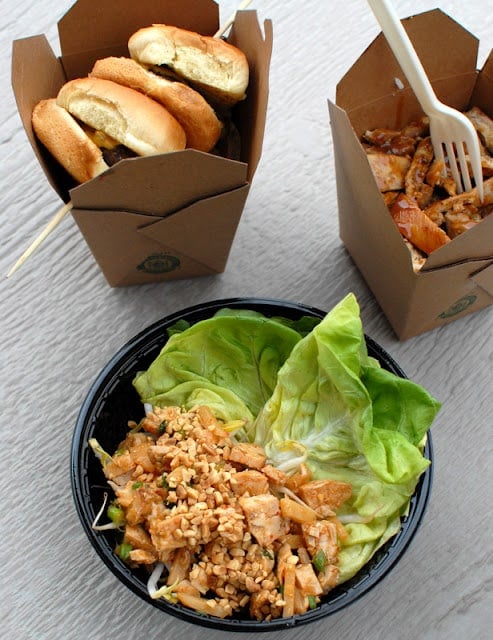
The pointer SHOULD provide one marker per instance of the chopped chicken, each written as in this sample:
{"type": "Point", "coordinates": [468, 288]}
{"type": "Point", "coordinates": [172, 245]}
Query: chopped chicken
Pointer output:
{"type": "Point", "coordinates": [330, 493]}
{"type": "Point", "coordinates": [321, 536]}
{"type": "Point", "coordinates": [306, 580]}
{"type": "Point", "coordinates": [416, 226]}
{"type": "Point", "coordinates": [419, 189]}
{"type": "Point", "coordinates": [250, 481]}
{"type": "Point", "coordinates": [464, 218]}
{"type": "Point", "coordinates": [389, 170]}
{"type": "Point", "coordinates": [462, 199]}
{"type": "Point", "coordinates": [263, 514]}
{"type": "Point", "coordinates": [415, 185]}
{"type": "Point", "coordinates": [391, 142]}
{"type": "Point", "coordinates": [440, 176]}
{"type": "Point", "coordinates": [248, 454]}
{"type": "Point", "coordinates": [483, 125]}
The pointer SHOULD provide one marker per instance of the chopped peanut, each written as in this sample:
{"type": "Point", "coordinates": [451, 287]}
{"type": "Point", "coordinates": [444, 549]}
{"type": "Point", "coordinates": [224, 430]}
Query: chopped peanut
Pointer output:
{"type": "Point", "coordinates": [215, 513]}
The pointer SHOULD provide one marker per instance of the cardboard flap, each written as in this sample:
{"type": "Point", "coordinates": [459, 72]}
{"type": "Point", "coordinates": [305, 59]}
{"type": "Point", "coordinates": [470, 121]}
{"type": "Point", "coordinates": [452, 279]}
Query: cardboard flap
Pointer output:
{"type": "Point", "coordinates": [371, 228]}
{"type": "Point", "coordinates": [203, 231]}
{"type": "Point", "coordinates": [134, 247]}
{"type": "Point", "coordinates": [127, 258]}
{"type": "Point", "coordinates": [373, 75]}
{"type": "Point", "coordinates": [484, 279]}
{"type": "Point", "coordinates": [483, 91]}
{"type": "Point", "coordinates": [157, 184]}
{"type": "Point", "coordinates": [41, 86]}
{"type": "Point", "coordinates": [488, 66]}
{"type": "Point", "coordinates": [247, 36]}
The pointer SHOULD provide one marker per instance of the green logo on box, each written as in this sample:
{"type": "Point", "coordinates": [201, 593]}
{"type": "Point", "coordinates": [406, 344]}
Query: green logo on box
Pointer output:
{"type": "Point", "coordinates": [460, 305]}
{"type": "Point", "coordinates": [159, 263]}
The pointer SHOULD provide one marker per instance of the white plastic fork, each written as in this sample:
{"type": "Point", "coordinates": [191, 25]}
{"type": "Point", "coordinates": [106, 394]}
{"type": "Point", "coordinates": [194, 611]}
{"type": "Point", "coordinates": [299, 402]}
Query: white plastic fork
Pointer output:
{"type": "Point", "coordinates": [449, 129]}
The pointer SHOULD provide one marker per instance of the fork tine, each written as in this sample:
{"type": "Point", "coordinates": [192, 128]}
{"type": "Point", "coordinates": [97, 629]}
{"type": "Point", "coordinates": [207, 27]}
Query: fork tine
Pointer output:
{"type": "Point", "coordinates": [475, 162]}
{"type": "Point", "coordinates": [452, 163]}
{"type": "Point", "coordinates": [464, 168]}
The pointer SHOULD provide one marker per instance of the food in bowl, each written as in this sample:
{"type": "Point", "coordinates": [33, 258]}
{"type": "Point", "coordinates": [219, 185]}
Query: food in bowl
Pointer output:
{"type": "Point", "coordinates": [317, 411]}
{"type": "Point", "coordinates": [227, 529]}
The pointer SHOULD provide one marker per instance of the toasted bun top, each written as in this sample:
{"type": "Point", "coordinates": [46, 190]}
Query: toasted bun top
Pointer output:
{"type": "Point", "coordinates": [211, 64]}
{"type": "Point", "coordinates": [134, 120]}
{"type": "Point", "coordinates": [198, 119]}
{"type": "Point", "coordinates": [60, 133]}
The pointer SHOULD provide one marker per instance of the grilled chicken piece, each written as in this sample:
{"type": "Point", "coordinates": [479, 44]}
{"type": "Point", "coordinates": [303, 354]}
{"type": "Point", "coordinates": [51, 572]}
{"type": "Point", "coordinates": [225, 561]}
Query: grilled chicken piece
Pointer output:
{"type": "Point", "coordinates": [329, 577]}
{"type": "Point", "coordinates": [307, 581]}
{"type": "Point", "coordinates": [391, 142]}
{"type": "Point", "coordinates": [416, 226]}
{"type": "Point", "coordinates": [415, 185]}
{"type": "Point", "coordinates": [249, 481]}
{"type": "Point", "coordinates": [483, 125]}
{"type": "Point", "coordinates": [486, 163]}
{"type": "Point", "coordinates": [439, 176]}
{"type": "Point", "coordinates": [418, 129]}
{"type": "Point", "coordinates": [466, 217]}
{"type": "Point", "coordinates": [263, 515]}
{"type": "Point", "coordinates": [138, 537]}
{"type": "Point", "coordinates": [180, 566]}
{"type": "Point", "coordinates": [248, 454]}
{"type": "Point", "coordinates": [321, 536]}
{"type": "Point", "coordinates": [389, 170]}
{"type": "Point", "coordinates": [327, 493]}
{"type": "Point", "coordinates": [275, 475]}
{"type": "Point", "coordinates": [442, 207]}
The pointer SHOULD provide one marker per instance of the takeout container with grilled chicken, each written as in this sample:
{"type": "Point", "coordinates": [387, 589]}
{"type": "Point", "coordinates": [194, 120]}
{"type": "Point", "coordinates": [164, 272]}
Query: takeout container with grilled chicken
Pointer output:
{"type": "Point", "coordinates": [160, 217]}
{"type": "Point", "coordinates": [456, 278]}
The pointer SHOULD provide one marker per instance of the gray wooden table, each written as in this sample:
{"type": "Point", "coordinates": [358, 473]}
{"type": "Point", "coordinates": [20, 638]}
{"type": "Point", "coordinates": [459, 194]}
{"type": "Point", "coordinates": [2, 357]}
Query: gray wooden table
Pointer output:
{"type": "Point", "coordinates": [61, 322]}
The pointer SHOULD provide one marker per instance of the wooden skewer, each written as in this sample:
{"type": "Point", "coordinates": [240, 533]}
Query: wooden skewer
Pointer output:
{"type": "Point", "coordinates": [60, 215]}
{"type": "Point", "coordinates": [54, 222]}
{"type": "Point", "coordinates": [231, 19]}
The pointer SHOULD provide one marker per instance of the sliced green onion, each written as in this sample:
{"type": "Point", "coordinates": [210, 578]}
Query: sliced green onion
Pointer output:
{"type": "Point", "coordinates": [137, 485]}
{"type": "Point", "coordinates": [115, 514]}
{"type": "Point", "coordinates": [312, 602]}
{"type": "Point", "coordinates": [319, 560]}
{"type": "Point", "coordinates": [124, 549]}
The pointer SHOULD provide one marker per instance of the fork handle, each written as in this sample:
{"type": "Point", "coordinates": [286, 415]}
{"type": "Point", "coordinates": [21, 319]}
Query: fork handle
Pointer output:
{"type": "Point", "coordinates": [405, 53]}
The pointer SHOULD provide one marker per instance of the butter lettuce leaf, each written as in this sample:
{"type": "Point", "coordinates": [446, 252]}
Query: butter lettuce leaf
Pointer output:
{"type": "Point", "coordinates": [229, 362]}
{"type": "Point", "coordinates": [350, 420]}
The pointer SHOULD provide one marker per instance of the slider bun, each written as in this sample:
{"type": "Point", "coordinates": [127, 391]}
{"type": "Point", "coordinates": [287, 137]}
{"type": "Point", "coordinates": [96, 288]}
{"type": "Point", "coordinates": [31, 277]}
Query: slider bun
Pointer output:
{"type": "Point", "coordinates": [198, 119]}
{"type": "Point", "coordinates": [132, 119]}
{"type": "Point", "coordinates": [210, 64]}
{"type": "Point", "coordinates": [60, 133]}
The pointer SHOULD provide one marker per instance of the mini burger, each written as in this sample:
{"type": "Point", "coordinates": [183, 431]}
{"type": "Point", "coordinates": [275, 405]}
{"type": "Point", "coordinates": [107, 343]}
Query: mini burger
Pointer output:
{"type": "Point", "coordinates": [198, 119]}
{"type": "Point", "coordinates": [94, 123]}
{"type": "Point", "coordinates": [214, 67]}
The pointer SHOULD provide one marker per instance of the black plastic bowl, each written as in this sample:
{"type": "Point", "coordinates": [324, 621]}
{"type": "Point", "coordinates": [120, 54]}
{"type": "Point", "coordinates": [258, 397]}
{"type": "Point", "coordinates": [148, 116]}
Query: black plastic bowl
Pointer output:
{"type": "Point", "coordinates": [112, 401]}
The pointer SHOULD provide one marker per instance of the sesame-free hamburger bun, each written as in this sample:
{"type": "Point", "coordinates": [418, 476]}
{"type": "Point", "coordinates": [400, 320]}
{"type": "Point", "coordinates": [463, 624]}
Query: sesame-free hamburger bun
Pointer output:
{"type": "Point", "coordinates": [67, 142]}
{"type": "Point", "coordinates": [211, 65]}
{"type": "Point", "coordinates": [198, 119]}
{"type": "Point", "coordinates": [127, 116]}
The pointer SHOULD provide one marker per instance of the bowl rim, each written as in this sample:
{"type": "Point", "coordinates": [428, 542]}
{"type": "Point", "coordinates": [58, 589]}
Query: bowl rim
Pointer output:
{"type": "Point", "coordinates": [374, 571]}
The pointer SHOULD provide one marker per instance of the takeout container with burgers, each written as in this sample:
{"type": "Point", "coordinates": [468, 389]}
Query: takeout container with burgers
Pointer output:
{"type": "Point", "coordinates": [383, 194]}
{"type": "Point", "coordinates": [151, 125]}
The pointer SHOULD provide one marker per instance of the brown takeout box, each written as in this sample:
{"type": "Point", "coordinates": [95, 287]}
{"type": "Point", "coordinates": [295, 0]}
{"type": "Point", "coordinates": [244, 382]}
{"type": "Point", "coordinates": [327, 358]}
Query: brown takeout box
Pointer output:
{"type": "Point", "coordinates": [457, 279]}
{"type": "Point", "coordinates": [163, 217]}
